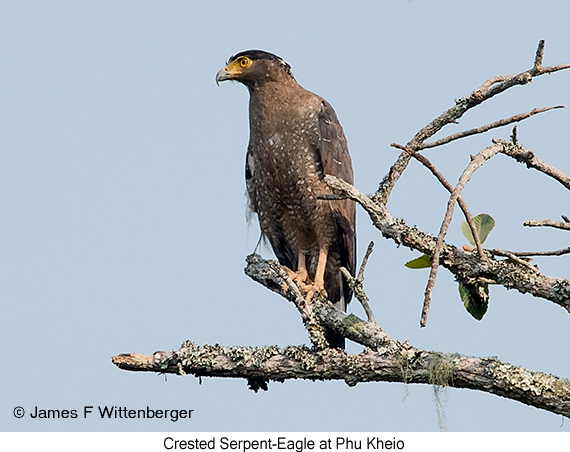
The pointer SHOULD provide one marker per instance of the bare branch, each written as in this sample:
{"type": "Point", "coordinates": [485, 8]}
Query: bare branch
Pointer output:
{"type": "Point", "coordinates": [365, 260]}
{"type": "Point", "coordinates": [539, 55]}
{"type": "Point", "coordinates": [475, 163]}
{"type": "Point", "coordinates": [384, 359]}
{"type": "Point", "coordinates": [405, 365]}
{"type": "Point", "coordinates": [463, 265]}
{"type": "Point", "coordinates": [482, 129]}
{"type": "Point", "coordinates": [493, 80]}
{"type": "Point", "coordinates": [357, 286]}
{"type": "Point", "coordinates": [514, 256]}
{"type": "Point", "coordinates": [561, 252]}
{"type": "Point", "coordinates": [550, 223]}
{"type": "Point", "coordinates": [527, 157]}
{"type": "Point", "coordinates": [538, 69]}
{"type": "Point", "coordinates": [462, 204]}
{"type": "Point", "coordinates": [274, 277]}
{"type": "Point", "coordinates": [489, 89]}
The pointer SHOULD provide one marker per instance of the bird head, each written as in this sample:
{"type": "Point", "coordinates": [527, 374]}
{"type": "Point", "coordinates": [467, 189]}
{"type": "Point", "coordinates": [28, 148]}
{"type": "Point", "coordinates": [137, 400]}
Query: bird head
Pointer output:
{"type": "Point", "coordinates": [254, 66]}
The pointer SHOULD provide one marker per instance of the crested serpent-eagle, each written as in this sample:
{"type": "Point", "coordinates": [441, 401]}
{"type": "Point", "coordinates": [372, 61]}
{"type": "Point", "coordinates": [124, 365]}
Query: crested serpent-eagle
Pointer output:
{"type": "Point", "coordinates": [296, 139]}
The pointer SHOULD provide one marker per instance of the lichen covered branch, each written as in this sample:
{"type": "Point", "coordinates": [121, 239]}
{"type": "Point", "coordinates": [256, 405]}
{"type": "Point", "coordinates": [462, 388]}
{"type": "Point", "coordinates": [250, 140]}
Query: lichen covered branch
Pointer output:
{"type": "Point", "coordinates": [384, 359]}
{"type": "Point", "coordinates": [464, 265]}
{"type": "Point", "coordinates": [405, 364]}
{"type": "Point", "coordinates": [527, 157]}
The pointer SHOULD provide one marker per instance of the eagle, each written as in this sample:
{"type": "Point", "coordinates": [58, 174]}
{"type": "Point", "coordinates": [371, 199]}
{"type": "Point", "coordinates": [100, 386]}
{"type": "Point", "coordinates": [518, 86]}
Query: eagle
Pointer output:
{"type": "Point", "coordinates": [295, 140]}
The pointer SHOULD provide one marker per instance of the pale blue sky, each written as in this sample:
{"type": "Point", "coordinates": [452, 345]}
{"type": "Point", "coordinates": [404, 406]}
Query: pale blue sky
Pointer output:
{"type": "Point", "coordinates": [123, 210]}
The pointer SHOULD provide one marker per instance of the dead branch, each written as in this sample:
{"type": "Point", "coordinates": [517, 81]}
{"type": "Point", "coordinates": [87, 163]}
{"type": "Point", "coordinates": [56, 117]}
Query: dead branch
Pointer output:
{"type": "Point", "coordinates": [465, 266]}
{"type": "Point", "coordinates": [384, 359]}
{"type": "Point", "coordinates": [272, 275]}
{"type": "Point", "coordinates": [357, 284]}
{"type": "Point", "coordinates": [486, 91]}
{"type": "Point", "coordinates": [515, 257]}
{"type": "Point", "coordinates": [549, 223]}
{"type": "Point", "coordinates": [497, 252]}
{"type": "Point", "coordinates": [441, 178]}
{"type": "Point", "coordinates": [408, 365]}
{"type": "Point", "coordinates": [486, 128]}
{"type": "Point", "coordinates": [531, 161]}
{"type": "Point", "coordinates": [476, 162]}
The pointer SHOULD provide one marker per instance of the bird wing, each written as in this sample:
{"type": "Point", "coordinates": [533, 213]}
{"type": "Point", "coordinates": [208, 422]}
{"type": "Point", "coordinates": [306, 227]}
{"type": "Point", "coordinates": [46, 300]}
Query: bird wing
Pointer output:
{"type": "Point", "coordinates": [336, 161]}
{"type": "Point", "coordinates": [334, 149]}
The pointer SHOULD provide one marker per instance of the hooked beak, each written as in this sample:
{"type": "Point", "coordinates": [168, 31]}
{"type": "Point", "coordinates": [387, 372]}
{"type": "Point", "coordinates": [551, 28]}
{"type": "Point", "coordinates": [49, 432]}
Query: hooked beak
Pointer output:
{"type": "Point", "coordinates": [223, 74]}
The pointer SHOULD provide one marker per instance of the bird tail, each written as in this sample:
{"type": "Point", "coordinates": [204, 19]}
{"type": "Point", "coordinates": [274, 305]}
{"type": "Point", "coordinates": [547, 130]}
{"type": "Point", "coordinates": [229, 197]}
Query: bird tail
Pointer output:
{"type": "Point", "coordinates": [335, 340]}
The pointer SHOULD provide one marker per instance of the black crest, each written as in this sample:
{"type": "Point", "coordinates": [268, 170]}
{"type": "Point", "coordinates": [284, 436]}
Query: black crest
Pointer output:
{"type": "Point", "coordinates": [263, 55]}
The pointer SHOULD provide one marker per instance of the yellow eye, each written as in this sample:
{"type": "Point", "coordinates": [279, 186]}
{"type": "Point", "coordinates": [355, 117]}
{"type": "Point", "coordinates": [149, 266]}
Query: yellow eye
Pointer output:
{"type": "Point", "coordinates": [244, 62]}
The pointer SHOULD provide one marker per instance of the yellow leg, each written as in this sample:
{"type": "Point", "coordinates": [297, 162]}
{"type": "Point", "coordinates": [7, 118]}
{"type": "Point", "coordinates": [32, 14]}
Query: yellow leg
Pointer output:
{"type": "Point", "coordinates": [301, 276]}
{"type": "Point", "coordinates": [319, 284]}
{"type": "Point", "coordinates": [321, 266]}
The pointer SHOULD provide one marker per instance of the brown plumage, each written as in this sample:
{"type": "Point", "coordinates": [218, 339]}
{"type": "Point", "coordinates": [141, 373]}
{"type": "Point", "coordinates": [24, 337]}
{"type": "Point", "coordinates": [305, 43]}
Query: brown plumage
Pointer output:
{"type": "Point", "coordinates": [295, 139]}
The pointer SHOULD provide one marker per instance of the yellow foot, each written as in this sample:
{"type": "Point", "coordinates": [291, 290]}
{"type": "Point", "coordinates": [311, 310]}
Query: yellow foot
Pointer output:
{"type": "Point", "coordinates": [301, 277]}
{"type": "Point", "coordinates": [313, 289]}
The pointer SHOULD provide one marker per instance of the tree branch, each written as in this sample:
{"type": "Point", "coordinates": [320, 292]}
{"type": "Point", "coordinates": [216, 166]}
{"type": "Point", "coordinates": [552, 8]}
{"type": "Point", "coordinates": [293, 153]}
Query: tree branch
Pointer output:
{"type": "Point", "coordinates": [441, 178]}
{"type": "Point", "coordinates": [486, 91]}
{"type": "Point", "coordinates": [384, 359]}
{"type": "Point", "coordinates": [486, 128]}
{"type": "Point", "coordinates": [527, 157]}
{"type": "Point", "coordinates": [503, 253]}
{"type": "Point", "coordinates": [465, 266]}
{"type": "Point", "coordinates": [407, 365]}
{"type": "Point", "coordinates": [550, 223]}
{"type": "Point", "coordinates": [476, 162]}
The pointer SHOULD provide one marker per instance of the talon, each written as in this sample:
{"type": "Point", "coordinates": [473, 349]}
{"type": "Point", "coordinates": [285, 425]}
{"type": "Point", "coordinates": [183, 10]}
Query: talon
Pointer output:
{"type": "Point", "coordinates": [301, 277]}
{"type": "Point", "coordinates": [314, 289]}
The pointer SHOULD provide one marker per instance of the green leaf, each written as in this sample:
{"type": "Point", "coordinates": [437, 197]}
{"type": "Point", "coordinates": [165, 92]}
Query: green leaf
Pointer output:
{"type": "Point", "coordinates": [484, 223]}
{"type": "Point", "coordinates": [475, 297]}
{"type": "Point", "coordinates": [419, 262]}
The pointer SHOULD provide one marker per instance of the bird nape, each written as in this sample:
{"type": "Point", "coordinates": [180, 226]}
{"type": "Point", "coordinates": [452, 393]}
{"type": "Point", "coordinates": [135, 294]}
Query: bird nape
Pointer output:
{"type": "Point", "coordinates": [295, 140]}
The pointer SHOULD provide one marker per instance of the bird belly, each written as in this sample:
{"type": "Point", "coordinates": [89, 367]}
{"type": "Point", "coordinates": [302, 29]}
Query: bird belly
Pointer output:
{"type": "Point", "coordinates": [288, 208]}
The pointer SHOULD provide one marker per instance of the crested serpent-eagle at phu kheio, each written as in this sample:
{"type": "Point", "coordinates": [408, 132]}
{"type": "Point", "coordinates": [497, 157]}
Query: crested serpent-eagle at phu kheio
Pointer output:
{"type": "Point", "coordinates": [295, 140]}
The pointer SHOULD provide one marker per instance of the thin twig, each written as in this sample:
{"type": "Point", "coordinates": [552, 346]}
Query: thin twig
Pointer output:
{"type": "Point", "coordinates": [357, 284]}
{"type": "Point", "coordinates": [485, 128]}
{"type": "Point", "coordinates": [457, 261]}
{"type": "Point", "coordinates": [561, 252]}
{"type": "Point", "coordinates": [531, 161]}
{"type": "Point", "coordinates": [539, 55]}
{"type": "Point", "coordinates": [365, 260]}
{"type": "Point", "coordinates": [550, 223]}
{"type": "Point", "coordinates": [490, 88]}
{"type": "Point", "coordinates": [462, 204]}
{"type": "Point", "coordinates": [475, 163]}
{"type": "Point", "coordinates": [514, 257]}
{"type": "Point", "coordinates": [493, 80]}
